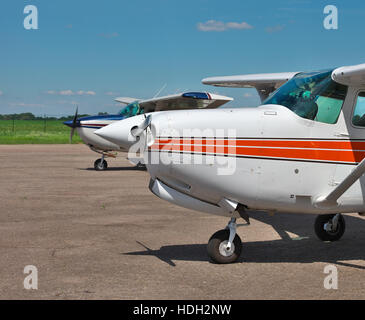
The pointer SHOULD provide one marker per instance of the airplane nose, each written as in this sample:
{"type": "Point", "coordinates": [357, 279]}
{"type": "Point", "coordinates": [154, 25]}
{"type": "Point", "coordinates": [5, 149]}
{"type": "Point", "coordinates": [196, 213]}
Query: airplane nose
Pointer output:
{"type": "Point", "coordinates": [74, 123]}
{"type": "Point", "coordinates": [70, 123]}
{"type": "Point", "coordinates": [124, 133]}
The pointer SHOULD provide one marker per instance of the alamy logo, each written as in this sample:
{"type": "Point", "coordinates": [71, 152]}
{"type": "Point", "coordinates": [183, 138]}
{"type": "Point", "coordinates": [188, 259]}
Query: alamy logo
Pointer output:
{"type": "Point", "coordinates": [31, 20]}
{"type": "Point", "coordinates": [330, 281]}
{"type": "Point", "coordinates": [206, 147]}
{"type": "Point", "coordinates": [31, 280]}
{"type": "Point", "coordinates": [330, 22]}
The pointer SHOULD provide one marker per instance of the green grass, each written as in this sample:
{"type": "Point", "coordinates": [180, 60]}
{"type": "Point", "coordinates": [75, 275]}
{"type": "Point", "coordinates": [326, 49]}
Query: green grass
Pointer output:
{"type": "Point", "coordinates": [35, 132]}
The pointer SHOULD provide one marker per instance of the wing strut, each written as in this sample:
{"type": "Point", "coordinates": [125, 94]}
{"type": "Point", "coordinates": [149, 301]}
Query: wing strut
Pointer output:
{"type": "Point", "coordinates": [331, 199]}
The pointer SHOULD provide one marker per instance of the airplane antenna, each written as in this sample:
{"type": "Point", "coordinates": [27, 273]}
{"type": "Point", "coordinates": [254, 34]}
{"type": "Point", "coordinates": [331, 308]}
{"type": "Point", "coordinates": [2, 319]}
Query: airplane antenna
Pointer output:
{"type": "Point", "coordinates": [159, 91]}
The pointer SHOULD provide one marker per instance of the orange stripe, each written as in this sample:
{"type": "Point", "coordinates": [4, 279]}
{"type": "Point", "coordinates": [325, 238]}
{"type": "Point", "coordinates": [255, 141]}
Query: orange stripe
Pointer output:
{"type": "Point", "coordinates": [197, 149]}
{"type": "Point", "coordinates": [320, 155]}
{"type": "Point", "coordinates": [315, 144]}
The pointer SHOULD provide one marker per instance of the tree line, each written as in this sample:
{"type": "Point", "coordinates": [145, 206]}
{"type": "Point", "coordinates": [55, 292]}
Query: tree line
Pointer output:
{"type": "Point", "coordinates": [31, 116]}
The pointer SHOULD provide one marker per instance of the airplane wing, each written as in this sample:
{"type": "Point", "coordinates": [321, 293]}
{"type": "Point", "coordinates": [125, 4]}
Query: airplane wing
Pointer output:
{"type": "Point", "coordinates": [265, 83]}
{"type": "Point", "coordinates": [186, 100]}
{"type": "Point", "coordinates": [350, 75]}
{"type": "Point", "coordinates": [126, 100]}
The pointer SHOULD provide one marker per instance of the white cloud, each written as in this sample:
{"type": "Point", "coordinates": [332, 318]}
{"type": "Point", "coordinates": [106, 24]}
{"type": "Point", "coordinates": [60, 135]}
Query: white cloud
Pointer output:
{"type": "Point", "coordinates": [213, 25]}
{"type": "Point", "coordinates": [1, 93]}
{"type": "Point", "coordinates": [110, 93]}
{"type": "Point", "coordinates": [66, 93]}
{"type": "Point", "coordinates": [273, 29]}
{"type": "Point", "coordinates": [67, 102]}
{"type": "Point", "coordinates": [85, 93]}
{"type": "Point", "coordinates": [23, 104]}
{"type": "Point", "coordinates": [72, 93]}
{"type": "Point", "coordinates": [238, 25]}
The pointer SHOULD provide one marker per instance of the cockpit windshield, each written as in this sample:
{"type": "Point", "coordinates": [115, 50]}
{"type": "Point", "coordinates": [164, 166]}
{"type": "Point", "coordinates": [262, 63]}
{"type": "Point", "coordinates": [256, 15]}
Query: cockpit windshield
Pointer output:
{"type": "Point", "coordinates": [131, 110]}
{"type": "Point", "coordinates": [313, 96]}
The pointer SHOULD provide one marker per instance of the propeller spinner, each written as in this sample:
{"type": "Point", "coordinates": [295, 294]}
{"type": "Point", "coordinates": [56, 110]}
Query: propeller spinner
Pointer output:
{"type": "Point", "coordinates": [127, 132]}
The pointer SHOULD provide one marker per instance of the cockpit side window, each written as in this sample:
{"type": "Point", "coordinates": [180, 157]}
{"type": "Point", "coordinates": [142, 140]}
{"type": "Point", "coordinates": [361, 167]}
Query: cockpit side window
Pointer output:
{"type": "Point", "coordinates": [358, 118]}
{"type": "Point", "coordinates": [314, 96]}
{"type": "Point", "coordinates": [330, 102]}
{"type": "Point", "coordinates": [131, 110]}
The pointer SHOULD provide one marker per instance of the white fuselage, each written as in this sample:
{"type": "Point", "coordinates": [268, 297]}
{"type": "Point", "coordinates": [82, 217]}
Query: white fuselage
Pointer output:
{"type": "Point", "coordinates": [279, 161]}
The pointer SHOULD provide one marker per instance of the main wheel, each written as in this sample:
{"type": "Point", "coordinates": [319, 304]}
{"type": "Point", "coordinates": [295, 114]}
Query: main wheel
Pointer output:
{"type": "Point", "coordinates": [333, 235]}
{"type": "Point", "coordinates": [100, 165]}
{"type": "Point", "coordinates": [217, 247]}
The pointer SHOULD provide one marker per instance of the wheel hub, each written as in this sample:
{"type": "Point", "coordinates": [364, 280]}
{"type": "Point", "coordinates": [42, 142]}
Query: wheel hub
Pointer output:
{"type": "Point", "coordinates": [329, 228]}
{"type": "Point", "coordinates": [224, 250]}
{"type": "Point", "coordinates": [332, 225]}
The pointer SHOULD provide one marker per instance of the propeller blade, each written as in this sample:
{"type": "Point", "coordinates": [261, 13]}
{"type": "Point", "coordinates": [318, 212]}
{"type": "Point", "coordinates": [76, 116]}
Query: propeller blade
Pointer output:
{"type": "Point", "coordinates": [72, 134]}
{"type": "Point", "coordinates": [74, 121]}
{"type": "Point", "coordinates": [150, 139]}
{"type": "Point", "coordinates": [74, 124]}
{"type": "Point", "coordinates": [144, 132]}
{"type": "Point", "coordinates": [137, 131]}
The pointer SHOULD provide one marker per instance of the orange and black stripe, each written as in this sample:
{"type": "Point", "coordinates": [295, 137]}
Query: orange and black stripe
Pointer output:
{"type": "Point", "coordinates": [343, 151]}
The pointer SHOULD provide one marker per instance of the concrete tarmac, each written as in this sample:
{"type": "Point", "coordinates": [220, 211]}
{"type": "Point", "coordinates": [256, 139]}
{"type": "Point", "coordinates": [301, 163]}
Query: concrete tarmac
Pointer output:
{"type": "Point", "coordinates": [104, 235]}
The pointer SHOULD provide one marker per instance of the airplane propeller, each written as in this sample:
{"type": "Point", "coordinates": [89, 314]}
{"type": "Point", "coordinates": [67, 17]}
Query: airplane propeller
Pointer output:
{"type": "Point", "coordinates": [138, 130]}
{"type": "Point", "coordinates": [145, 126]}
{"type": "Point", "coordinates": [74, 124]}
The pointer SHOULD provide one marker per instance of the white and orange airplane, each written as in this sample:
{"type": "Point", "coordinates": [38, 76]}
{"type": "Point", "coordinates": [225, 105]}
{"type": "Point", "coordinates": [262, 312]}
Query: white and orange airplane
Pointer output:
{"type": "Point", "coordinates": [301, 151]}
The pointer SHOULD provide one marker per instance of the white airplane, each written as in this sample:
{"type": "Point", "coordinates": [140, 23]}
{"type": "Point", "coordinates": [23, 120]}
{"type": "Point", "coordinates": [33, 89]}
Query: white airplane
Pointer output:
{"type": "Point", "coordinates": [86, 126]}
{"type": "Point", "coordinates": [301, 151]}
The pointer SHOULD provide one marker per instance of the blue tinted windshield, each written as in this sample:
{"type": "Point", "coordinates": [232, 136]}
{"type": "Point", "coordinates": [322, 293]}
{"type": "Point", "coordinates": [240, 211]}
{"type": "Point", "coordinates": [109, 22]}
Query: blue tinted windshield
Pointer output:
{"type": "Point", "coordinates": [313, 96]}
{"type": "Point", "coordinates": [131, 110]}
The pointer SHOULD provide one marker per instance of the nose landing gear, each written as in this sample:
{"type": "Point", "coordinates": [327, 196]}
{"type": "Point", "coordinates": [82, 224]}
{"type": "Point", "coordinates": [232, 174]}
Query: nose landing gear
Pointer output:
{"type": "Point", "coordinates": [225, 245]}
{"type": "Point", "coordinates": [100, 164]}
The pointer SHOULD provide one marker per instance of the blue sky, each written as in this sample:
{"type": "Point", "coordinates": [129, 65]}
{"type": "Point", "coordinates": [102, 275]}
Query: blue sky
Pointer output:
{"type": "Point", "coordinates": [88, 52]}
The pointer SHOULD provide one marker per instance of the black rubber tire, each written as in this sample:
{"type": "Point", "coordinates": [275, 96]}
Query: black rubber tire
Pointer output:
{"type": "Point", "coordinates": [214, 243]}
{"type": "Point", "coordinates": [141, 166]}
{"type": "Point", "coordinates": [322, 234]}
{"type": "Point", "coordinates": [100, 166]}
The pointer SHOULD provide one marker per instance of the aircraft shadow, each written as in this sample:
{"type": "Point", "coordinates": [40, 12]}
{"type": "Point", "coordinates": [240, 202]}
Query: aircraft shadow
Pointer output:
{"type": "Point", "coordinates": [118, 169]}
{"type": "Point", "coordinates": [304, 249]}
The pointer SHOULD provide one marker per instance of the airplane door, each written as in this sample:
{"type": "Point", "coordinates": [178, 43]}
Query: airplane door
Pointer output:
{"type": "Point", "coordinates": [355, 120]}
{"type": "Point", "coordinates": [282, 178]}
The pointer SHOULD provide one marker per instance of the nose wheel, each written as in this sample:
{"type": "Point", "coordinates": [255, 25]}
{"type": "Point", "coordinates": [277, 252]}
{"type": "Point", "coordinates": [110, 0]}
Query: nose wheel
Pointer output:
{"type": "Point", "coordinates": [330, 227]}
{"type": "Point", "coordinates": [225, 246]}
{"type": "Point", "coordinates": [100, 164]}
{"type": "Point", "coordinates": [141, 165]}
